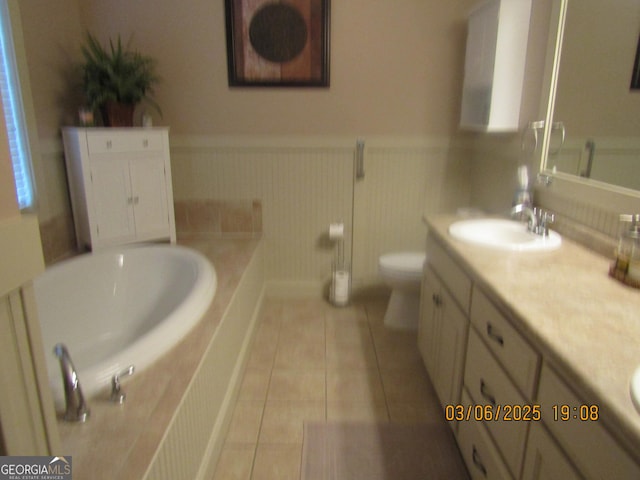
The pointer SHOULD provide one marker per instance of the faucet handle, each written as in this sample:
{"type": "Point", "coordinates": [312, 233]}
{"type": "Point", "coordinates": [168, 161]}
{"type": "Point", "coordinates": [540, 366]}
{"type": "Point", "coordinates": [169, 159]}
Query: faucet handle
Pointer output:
{"type": "Point", "coordinates": [117, 395]}
{"type": "Point", "coordinates": [545, 218]}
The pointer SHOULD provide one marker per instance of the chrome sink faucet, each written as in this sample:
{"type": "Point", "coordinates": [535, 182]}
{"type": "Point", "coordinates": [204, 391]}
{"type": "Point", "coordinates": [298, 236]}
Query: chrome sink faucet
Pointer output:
{"type": "Point", "coordinates": [77, 409]}
{"type": "Point", "coordinates": [538, 220]}
{"type": "Point", "coordinates": [524, 209]}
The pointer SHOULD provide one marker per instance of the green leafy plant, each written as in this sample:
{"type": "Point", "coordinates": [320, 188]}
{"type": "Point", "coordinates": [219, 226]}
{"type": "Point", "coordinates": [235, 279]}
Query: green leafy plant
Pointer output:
{"type": "Point", "coordinates": [117, 74]}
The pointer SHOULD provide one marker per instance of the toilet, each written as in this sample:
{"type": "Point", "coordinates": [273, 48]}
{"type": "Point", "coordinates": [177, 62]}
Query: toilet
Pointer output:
{"type": "Point", "coordinates": [402, 271]}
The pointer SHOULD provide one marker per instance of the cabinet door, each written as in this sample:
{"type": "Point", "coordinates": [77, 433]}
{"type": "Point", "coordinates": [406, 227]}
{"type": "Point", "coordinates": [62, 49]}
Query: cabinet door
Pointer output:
{"type": "Point", "coordinates": [479, 65]}
{"type": "Point", "coordinates": [427, 325]}
{"type": "Point", "coordinates": [149, 188]}
{"type": "Point", "coordinates": [112, 200]}
{"type": "Point", "coordinates": [453, 327]}
{"type": "Point", "coordinates": [442, 338]}
{"type": "Point", "coordinates": [544, 459]}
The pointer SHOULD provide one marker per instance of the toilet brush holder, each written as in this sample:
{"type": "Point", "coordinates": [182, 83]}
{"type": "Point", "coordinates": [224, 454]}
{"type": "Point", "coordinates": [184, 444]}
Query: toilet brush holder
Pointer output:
{"type": "Point", "coordinates": [340, 284]}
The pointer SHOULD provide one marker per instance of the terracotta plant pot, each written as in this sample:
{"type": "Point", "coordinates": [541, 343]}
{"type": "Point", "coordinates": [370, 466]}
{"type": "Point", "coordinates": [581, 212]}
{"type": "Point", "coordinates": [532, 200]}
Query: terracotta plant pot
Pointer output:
{"type": "Point", "coordinates": [115, 114]}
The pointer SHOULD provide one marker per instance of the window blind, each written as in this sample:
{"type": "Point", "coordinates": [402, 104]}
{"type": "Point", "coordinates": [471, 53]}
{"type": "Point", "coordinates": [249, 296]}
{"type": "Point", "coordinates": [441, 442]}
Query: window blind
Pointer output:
{"type": "Point", "coordinates": [13, 112]}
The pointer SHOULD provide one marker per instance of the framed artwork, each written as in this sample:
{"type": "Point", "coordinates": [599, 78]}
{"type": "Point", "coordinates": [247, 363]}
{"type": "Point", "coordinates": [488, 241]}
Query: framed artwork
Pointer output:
{"type": "Point", "coordinates": [278, 43]}
{"type": "Point", "coordinates": [635, 77]}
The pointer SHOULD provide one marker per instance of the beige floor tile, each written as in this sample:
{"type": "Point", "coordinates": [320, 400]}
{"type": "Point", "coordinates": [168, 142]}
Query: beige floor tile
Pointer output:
{"type": "Point", "coordinates": [354, 312]}
{"type": "Point", "coordinates": [297, 385]}
{"type": "Point", "coordinates": [354, 386]}
{"type": "Point", "coordinates": [307, 329]}
{"type": "Point", "coordinates": [405, 358]}
{"type": "Point", "coordinates": [357, 411]}
{"type": "Point", "coordinates": [277, 462]}
{"type": "Point", "coordinates": [415, 412]}
{"type": "Point", "coordinates": [305, 308]}
{"type": "Point", "coordinates": [351, 356]}
{"type": "Point", "coordinates": [303, 354]}
{"type": "Point", "coordinates": [406, 386]}
{"type": "Point", "coordinates": [348, 331]}
{"type": "Point", "coordinates": [283, 422]}
{"type": "Point", "coordinates": [254, 386]}
{"type": "Point", "coordinates": [245, 422]}
{"type": "Point", "coordinates": [235, 462]}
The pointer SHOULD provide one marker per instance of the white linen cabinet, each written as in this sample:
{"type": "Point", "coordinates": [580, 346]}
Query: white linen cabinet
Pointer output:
{"type": "Point", "coordinates": [120, 185]}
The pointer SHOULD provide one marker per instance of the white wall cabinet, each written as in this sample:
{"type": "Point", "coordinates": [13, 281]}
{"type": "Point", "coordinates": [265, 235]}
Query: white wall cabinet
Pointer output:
{"type": "Point", "coordinates": [495, 65]}
{"type": "Point", "coordinates": [120, 184]}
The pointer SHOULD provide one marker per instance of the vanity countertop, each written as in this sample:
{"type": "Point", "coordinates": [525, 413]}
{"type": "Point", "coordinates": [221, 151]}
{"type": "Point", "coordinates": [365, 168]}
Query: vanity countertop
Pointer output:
{"type": "Point", "coordinates": [585, 323]}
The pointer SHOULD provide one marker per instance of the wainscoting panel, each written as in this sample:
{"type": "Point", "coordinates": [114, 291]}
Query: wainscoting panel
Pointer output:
{"type": "Point", "coordinates": [303, 185]}
{"type": "Point", "coordinates": [400, 183]}
{"type": "Point", "coordinates": [301, 189]}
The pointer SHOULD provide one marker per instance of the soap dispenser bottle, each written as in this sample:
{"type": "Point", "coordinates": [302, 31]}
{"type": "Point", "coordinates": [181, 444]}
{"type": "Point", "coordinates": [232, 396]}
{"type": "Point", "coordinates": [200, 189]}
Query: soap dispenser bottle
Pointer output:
{"type": "Point", "coordinates": [627, 264]}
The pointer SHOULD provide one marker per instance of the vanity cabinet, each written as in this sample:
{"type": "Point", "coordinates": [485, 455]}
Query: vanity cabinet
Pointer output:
{"type": "Point", "coordinates": [551, 431]}
{"type": "Point", "coordinates": [495, 58]}
{"type": "Point", "coordinates": [120, 185]}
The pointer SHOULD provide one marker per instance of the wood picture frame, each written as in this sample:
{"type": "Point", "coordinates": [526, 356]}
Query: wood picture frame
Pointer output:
{"type": "Point", "coordinates": [277, 44]}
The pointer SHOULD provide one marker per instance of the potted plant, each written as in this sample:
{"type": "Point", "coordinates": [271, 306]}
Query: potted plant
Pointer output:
{"type": "Point", "coordinates": [117, 79]}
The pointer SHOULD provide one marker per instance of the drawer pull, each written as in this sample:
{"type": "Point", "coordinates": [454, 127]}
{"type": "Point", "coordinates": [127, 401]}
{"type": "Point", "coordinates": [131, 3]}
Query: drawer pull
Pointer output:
{"type": "Point", "coordinates": [484, 391]}
{"type": "Point", "coordinates": [437, 300]}
{"type": "Point", "coordinates": [494, 336]}
{"type": "Point", "coordinates": [475, 456]}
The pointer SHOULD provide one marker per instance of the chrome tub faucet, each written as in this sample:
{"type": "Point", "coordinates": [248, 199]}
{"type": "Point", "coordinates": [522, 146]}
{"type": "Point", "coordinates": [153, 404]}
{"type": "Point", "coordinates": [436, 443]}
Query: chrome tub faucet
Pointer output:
{"type": "Point", "coordinates": [77, 409]}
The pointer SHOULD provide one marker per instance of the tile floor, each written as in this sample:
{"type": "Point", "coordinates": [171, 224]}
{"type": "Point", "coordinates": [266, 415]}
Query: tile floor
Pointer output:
{"type": "Point", "coordinates": [311, 361]}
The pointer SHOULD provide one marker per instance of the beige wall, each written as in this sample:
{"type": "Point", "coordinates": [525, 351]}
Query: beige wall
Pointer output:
{"type": "Point", "coordinates": [396, 68]}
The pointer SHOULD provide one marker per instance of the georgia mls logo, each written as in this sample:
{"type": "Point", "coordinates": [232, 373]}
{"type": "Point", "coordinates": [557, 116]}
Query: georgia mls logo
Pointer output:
{"type": "Point", "coordinates": [35, 468]}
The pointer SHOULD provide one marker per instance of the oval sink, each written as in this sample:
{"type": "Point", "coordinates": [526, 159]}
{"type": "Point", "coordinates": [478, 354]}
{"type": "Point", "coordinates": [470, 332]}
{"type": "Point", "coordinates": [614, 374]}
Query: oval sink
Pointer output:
{"type": "Point", "coordinates": [635, 388]}
{"type": "Point", "coordinates": [503, 234]}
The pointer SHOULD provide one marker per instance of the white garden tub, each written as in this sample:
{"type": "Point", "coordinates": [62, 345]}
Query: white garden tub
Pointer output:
{"type": "Point", "coordinates": [121, 307]}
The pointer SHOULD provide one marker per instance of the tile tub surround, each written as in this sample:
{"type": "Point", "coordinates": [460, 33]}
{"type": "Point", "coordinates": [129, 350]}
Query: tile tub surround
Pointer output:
{"type": "Point", "coordinates": [120, 441]}
{"type": "Point", "coordinates": [219, 218]}
{"type": "Point", "coordinates": [585, 324]}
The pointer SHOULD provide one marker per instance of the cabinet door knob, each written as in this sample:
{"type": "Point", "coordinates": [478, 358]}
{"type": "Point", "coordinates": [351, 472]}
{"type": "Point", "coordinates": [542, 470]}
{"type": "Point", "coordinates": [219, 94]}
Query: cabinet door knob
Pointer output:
{"type": "Point", "coordinates": [437, 300]}
{"type": "Point", "coordinates": [145, 143]}
{"type": "Point", "coordinates": [109, 144]}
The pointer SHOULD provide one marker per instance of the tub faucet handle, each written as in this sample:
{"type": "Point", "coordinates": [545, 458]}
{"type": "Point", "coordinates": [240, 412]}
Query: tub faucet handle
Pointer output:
{"type": "Point", "coordinates": [117, 395]}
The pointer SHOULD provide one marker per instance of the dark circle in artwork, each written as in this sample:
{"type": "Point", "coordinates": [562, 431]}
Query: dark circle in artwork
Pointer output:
{"type": "Point", "coordinates": [278, 32]}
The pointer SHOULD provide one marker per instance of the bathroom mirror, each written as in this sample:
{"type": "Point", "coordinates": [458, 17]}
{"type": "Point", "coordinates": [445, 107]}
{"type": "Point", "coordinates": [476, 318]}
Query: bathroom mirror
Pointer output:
{"type": "Point", "coordinates": [594, 100]}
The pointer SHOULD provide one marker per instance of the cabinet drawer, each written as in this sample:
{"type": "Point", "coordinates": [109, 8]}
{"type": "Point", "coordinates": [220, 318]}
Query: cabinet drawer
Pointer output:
{"type": "Point", "coordinates": [514, 352]}
{"type": "Point", "coordinates": [107, 142]}
{"type": "Point", "coordinates": [488, 384]}
{"type": "Point", "coordinates": [587, 442]}
{"type": "Point", "coordinates": [451, 274]}
{"type": "Point", "coordinates": [478, 451]}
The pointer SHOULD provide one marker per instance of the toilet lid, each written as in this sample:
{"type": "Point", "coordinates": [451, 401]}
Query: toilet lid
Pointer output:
{"type": "Point", "coordinates": [410, 262]}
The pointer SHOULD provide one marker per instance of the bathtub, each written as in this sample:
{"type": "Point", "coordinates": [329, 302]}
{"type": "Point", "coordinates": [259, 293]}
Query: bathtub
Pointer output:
{"type": "Point", "coordinates": [121, 307]}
